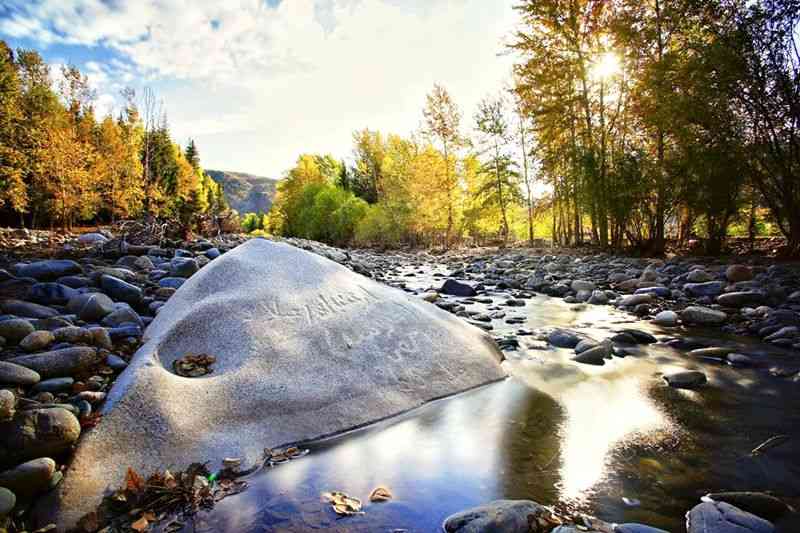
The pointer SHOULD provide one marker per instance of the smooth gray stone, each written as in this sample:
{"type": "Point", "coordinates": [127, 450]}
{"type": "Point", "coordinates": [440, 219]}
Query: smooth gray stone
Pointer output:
{"type": "Point", "coordinates": [457, 288]}
{"type": "Point", "coordinates": [30, 478]}
{"type": "Point", "coordinates": [595, 355]}
{"type": "Point", "coordinates": [183, 267]}
{"type": "Point", "coordinates": [703, 316]}
{"type": "Point", "coordinates": [171, 282]}
{"type": "Point", "coordinates": [58, 363]}
{"type": "Point", "coordinates": [37, 433]}
{"type": "Point", "coordinates": [51, 293]}
{"type": "Point", "coordinates": [7, 502]}
{"type": "Point", "coordinates": [740, 299]}
{"type": "Point", "coordinates": [720, 517]}
{"type": "Point", "coordinates": [563, 338]}
{"type": "Point", "coordinates": [16, 329]}
{"type": "Point", "coordinates": [758, 503]}
{"type": "Point", "coordinates": [53, 385]}
{"type": "Point", "coordinates": [121, 316]}
{"type": "Point", "coordinates": [709, 288]}
{"type": "Point", "coordinates": [12, 374]}
{"type": "Point", "coordinates": [689, 379]}
{"type": "Point", "coordinates": [501, 516]}
{"type": "Point", "coordinates": [121, 291]}
{"type": "Point", "coordinates": [27, 309]}
{"type": "Point", "coordinates": [90, 307]}
{"type": "Point", "coordinates": [304, 348]}
{"type": "Point", "coordinates": [50, 269]}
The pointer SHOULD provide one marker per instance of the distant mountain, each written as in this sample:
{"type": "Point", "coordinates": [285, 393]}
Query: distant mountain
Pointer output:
{"type": "Point", "coordinates": [245, 192]}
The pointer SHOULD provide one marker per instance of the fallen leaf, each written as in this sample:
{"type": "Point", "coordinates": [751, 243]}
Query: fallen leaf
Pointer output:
{"type": "Point", "coordinates": [342, 503]}
{"type": "Point", "coordinates": [140, 525]}
{"type": "Point", "coordinates": [380, 494]}
{"type": "Point", "coordinates": [133, 481]}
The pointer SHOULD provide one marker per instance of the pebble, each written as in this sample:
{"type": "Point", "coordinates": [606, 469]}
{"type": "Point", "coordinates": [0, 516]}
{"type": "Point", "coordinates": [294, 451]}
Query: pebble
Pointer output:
{"type": "Point", "coordinates": [59, 363]}
{"type": "Point", "coordinates": [44, 432]}
{"type": "Point", "coordinates": [36, 341]}
{"type": "Point", "coordinates": [689, 379]}
{"type": "Point", "coordinates": [15, 329]}
{"type": "Point", "coordinates": [30, 478]}
{"type": "Point", "coordinates": [17, 375]}
{"type": "Point", "coordinates": [7, 502]}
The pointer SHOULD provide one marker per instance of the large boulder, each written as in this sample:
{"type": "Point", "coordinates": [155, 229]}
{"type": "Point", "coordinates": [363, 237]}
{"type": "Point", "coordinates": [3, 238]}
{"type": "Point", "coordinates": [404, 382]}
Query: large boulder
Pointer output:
{"type": "Point", "coordinates": [304, 348]}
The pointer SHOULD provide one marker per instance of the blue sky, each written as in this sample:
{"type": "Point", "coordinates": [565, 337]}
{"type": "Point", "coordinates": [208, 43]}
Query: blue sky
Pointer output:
{"type": "Point", "coordinates": [257, 82]}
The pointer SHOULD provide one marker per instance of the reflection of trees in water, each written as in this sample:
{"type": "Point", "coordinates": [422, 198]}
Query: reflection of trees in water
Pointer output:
{"type": "Point", "coordinates": [531, 449]}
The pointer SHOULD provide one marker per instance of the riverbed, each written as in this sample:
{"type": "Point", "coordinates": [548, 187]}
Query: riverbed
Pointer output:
{"type": "Point", "coordinates": [612, 441]}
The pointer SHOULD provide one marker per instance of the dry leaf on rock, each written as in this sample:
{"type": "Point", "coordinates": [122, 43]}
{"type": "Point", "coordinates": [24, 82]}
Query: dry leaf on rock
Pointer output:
{"type": "Point", "coordinates": [380, 494]}
{"type": "Point", "coordinates": [342, 503]}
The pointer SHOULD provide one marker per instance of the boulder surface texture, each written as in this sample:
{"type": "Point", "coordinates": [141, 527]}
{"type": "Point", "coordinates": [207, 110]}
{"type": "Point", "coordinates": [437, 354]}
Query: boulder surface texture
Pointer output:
{"type": "Point", "coordinates": [304, 348]}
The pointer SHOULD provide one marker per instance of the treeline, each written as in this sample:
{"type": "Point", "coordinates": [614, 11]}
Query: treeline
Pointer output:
{"type": "Point", "coordinates": [663, 118]}
{"type": "Point", "coordinates": [627, 123]}
{"type": "Point", "coordinates": [60, 165]}
{"type": "Point", "coordinates": [438, 186]}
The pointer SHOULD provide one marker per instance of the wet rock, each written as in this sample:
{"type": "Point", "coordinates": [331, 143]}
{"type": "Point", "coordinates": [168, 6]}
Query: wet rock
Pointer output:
{"type": "Point", "coordinates": [7, 502]}
{"type": "Point", "coordinates": [623, 338]}
{"type": "Point", "coordinates": [30, 478]}
{"type": "Point", "coordinates": [12, 374]}
{"type": "Point", "coordinates": [27, 309]}
{"type": "Point", "coordinates": [501, 516]}
{"type": "Point", "coordinates": [8, 403]}
{"type": "Point", "coordinates": [37, 433]}
{"type": "Point", "coordinates": [75, 282]}
{"type": "Point", "coordinates": [15, 329]}
{"type": "Point", "coordinates": [703, 316]}
{"type": "Point", "coordinates": [49, 270]}
{"type": "Point", "coordinates": [720, 517]}
{"type": "Point", "coordinates": [212, 253]}
{"type": "Point", "coordinates": [51, 293]}
{"type": "Point", "coordinates": [640, 337]}
{"type": "Point", "coordinates": [36, 341]}
{"type": "Point", "coordinates": [739, 359]}
{"type": "Point", "coordinates": [661, 292]}
{"type": "Point", "coordinates": [713, 352]}
{"type": "Point", "coordinates": [737, 273]}
{"type": "Point", "coordinates": [59, 363]}
{"type": "Point", "coordinates": [666, 318]}
{"type": "Point", "coordinates": [90, 307]}
{"type": "Point", "coordinates": [563, 338]}
{"type": "Point", "coordinates": [709, 288]}
{"type": "Point", "coordinates": [595, 355]}
{"type": "Point", "coordinates": [740, 299]}
{"type": "Point", "coordinates": [584, 345]}
{"type": "Point", "coordinates": [689, 379]}
{"type": "Point", "coordinates": [758, 503]}
{"type": "Point", "coordinates": [457, 288]}
{"type": "Point", "coordinates": [54, 385]}
{"type": "Point", "coordinates": [121, 291]}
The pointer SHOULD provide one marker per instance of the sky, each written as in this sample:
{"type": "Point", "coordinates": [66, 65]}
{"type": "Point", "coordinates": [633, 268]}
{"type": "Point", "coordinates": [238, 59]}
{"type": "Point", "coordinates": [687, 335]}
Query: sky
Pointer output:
{"type": "Point", "coordinates": [258, 82]}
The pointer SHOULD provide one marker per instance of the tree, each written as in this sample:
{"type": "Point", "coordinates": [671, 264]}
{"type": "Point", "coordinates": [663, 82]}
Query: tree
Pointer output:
{"type": "Point", "coordinates": [442, 122]}
{"type": "Point", "coordinates": [192, 156]}
{"type": "Point", "coordinates": [501, 187]}
{"type": "Point", "coordinates": [12, 187]}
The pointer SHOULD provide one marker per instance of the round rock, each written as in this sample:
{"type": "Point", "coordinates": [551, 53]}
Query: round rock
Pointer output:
{"type": "Point", "coordinates": [30, 478]}
{"type": "Point", "coordinates": [13, 374]}
{"type": "Point", "coordinates": [15, 329]}
{"type": "Point", "coordinates": [36, 341]}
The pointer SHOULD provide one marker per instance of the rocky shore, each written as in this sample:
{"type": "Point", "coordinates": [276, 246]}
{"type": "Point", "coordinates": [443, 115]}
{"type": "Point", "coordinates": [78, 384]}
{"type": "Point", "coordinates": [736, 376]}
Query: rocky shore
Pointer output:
{"type": "Point", "coordinates": [70, 325]}
{"type": "Point", "coordinates": [68, 328]}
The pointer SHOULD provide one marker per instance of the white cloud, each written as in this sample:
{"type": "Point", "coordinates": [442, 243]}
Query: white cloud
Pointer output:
{"type": "Point", "coordinates": [256, 85]}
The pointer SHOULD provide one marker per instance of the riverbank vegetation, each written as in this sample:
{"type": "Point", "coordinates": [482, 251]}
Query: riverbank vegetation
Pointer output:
{"type": "Point", "coordinates": [60, 164]}
{"type": "Point", "coordinates": [626, 124]}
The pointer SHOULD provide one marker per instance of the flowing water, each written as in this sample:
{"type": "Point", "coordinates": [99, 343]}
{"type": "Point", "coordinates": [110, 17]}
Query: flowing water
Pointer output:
{"type": "Point", "coordinates": [612, 441]}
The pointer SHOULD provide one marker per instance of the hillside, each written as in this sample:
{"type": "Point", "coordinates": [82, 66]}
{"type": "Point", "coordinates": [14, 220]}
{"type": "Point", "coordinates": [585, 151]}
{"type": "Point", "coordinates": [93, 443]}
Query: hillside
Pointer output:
{"type": "Point", "coordinates": [245, 192]}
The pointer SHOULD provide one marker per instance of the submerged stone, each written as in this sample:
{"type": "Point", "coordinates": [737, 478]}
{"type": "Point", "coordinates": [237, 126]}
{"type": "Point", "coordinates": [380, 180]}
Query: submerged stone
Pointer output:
{"type": "Point", "coordinates": [303, 348]}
